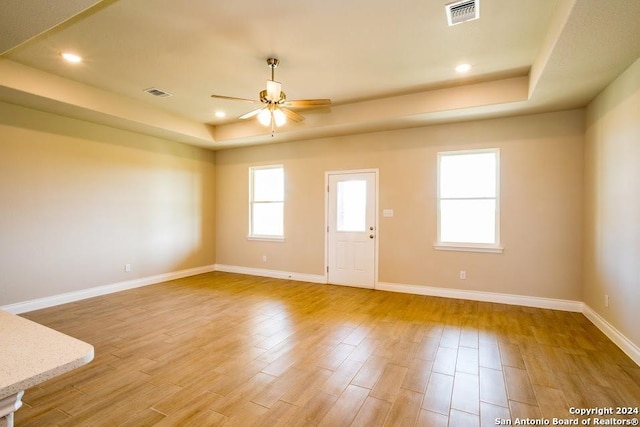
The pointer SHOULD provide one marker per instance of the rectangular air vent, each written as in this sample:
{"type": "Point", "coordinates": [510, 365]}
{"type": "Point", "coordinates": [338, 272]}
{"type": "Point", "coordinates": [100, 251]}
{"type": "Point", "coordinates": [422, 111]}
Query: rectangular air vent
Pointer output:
{"type": "Point", "coordinates": [462, 11]}
{"type": "Point", "coordinates": [157, 92]}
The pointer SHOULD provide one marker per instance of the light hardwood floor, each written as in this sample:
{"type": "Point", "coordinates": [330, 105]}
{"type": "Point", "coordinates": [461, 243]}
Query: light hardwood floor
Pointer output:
{"type": "Point", "coordinates": [227, 349]}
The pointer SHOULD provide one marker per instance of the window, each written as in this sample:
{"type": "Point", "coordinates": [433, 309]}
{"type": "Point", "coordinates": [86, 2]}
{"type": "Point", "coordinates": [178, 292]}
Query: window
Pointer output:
{"type": "Point", "coordinates": [468, 204]}
{"type": "Point", "coordinates": [266, 202]}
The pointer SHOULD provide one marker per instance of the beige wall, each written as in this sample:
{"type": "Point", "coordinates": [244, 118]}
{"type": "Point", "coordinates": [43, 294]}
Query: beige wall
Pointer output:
{"type": "Point", "coordinates": [612, 204]}
{"type": "Point", "coordinates": [541, 187]}
{"type": "Point", "coordinates": [79, 201]}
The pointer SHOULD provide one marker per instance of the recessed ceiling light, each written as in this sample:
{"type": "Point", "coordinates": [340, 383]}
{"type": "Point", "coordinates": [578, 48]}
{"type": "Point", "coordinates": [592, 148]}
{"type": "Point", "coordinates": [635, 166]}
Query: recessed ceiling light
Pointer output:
{"type": "Point", "coordinates": [71, 57]}
{"type": "Point", "coordinates": [220, 114]}
{"type": "Point", "coordinates": [463, 68]}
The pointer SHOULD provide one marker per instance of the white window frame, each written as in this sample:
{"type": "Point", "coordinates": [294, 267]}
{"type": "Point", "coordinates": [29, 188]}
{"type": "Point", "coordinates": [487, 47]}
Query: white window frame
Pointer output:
{"type": "Point", "coordinates": [251, 235]}
{"type": "Point", "coordinates": [470, 246]}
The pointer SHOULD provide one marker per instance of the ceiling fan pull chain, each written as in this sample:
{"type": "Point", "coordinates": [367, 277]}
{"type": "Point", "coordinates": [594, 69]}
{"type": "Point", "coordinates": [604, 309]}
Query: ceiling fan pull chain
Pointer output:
{"type": "Point", "coordinates": [273, 124]}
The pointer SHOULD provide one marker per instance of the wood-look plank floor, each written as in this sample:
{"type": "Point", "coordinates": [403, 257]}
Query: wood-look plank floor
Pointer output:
{"type": "Point", "coordinates": [223, 349]}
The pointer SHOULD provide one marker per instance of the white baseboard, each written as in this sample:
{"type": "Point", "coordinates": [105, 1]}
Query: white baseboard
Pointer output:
{"type": "Point", "coordinates": [276, 274]}
{"type": "Point", "coordinates": [625, 344]}
{"type": "Point", "coordinates": [36, 304]}
{"type": "Point", "coordinates": [554, 304]}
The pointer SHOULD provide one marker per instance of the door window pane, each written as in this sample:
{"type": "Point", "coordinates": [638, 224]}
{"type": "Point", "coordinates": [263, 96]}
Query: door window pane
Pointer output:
{"type": "Point", "coordinates": [351, 205]}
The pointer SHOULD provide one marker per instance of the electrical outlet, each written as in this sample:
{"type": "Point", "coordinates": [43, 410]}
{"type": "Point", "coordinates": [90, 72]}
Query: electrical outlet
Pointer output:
{"type": "Point", "coordinates": [463, 275]}
{"type": "Point", "coordinates": [606, 300]}
{"type": "Point", "coordinates": [127, 268]}
{"type": "Point", "coordinates": [264, 258]}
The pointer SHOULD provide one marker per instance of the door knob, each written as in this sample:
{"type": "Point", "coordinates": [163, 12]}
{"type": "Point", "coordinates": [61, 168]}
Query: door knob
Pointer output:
{"type": "Point", "coordinates": [371, 236]}
{"type": "Point", "coordinates": [371, 228]}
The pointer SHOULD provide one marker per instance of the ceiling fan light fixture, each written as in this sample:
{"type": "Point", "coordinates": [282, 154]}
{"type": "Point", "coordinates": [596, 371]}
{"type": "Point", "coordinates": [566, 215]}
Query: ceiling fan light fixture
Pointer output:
{"type": "Point", "coordinates": [272, 116]}
{"type": "Point", "coordinates": [279, 117]}
{"type": "Point", "coordinates": [264, 117]}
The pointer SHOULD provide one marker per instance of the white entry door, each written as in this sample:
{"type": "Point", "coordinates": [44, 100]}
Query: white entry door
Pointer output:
{"type": "Point", "coordinates": [351, 229]}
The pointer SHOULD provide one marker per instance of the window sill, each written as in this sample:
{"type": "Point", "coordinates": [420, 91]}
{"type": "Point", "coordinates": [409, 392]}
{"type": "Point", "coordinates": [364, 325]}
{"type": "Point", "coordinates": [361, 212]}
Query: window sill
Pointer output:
{"type": "Point", "coordinates": [266, 238]}
{"type": "Point", "coordinates": [468, 248]}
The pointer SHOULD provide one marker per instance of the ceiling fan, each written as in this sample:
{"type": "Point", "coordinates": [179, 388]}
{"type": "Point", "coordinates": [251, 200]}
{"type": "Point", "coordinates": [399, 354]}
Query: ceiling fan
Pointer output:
{"type": "Point", "coordinates": [275, 109]}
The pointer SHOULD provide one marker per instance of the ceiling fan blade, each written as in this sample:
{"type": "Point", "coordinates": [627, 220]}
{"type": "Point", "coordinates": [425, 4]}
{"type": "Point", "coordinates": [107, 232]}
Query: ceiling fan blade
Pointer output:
{"type": "Point", "coordinates": [305, 103]}
{"type": "Point", "coordinates": [251, 113]}
{"type": "Point", "coordinates": [291, 115]}
{"type": "Point", "coordinates": [233, 98]}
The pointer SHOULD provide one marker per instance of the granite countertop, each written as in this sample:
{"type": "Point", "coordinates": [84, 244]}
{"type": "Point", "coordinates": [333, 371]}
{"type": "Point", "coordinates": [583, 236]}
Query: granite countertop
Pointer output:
{"type": "Point", "coordinates": [31, 353]}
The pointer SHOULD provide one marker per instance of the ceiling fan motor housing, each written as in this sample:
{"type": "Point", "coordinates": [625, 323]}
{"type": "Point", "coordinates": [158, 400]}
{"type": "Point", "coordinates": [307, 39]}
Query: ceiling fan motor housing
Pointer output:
{"type": "Point", "coordinates": [264, 98]}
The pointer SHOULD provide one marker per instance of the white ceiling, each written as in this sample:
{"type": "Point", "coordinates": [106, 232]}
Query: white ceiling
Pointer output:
{"type": "Point", "coordinates": [384, 64]}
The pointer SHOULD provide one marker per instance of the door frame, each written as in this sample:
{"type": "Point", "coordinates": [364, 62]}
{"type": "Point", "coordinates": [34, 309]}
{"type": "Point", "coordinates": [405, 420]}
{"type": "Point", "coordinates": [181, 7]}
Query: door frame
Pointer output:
{"type": "Point", "coordinates": [376, 173]}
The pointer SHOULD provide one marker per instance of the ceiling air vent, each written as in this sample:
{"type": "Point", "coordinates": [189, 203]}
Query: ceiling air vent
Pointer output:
{"type": "Point", "coordinates": [157, 92]}
{"type": "Point", "coordinates": [462, 11]}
